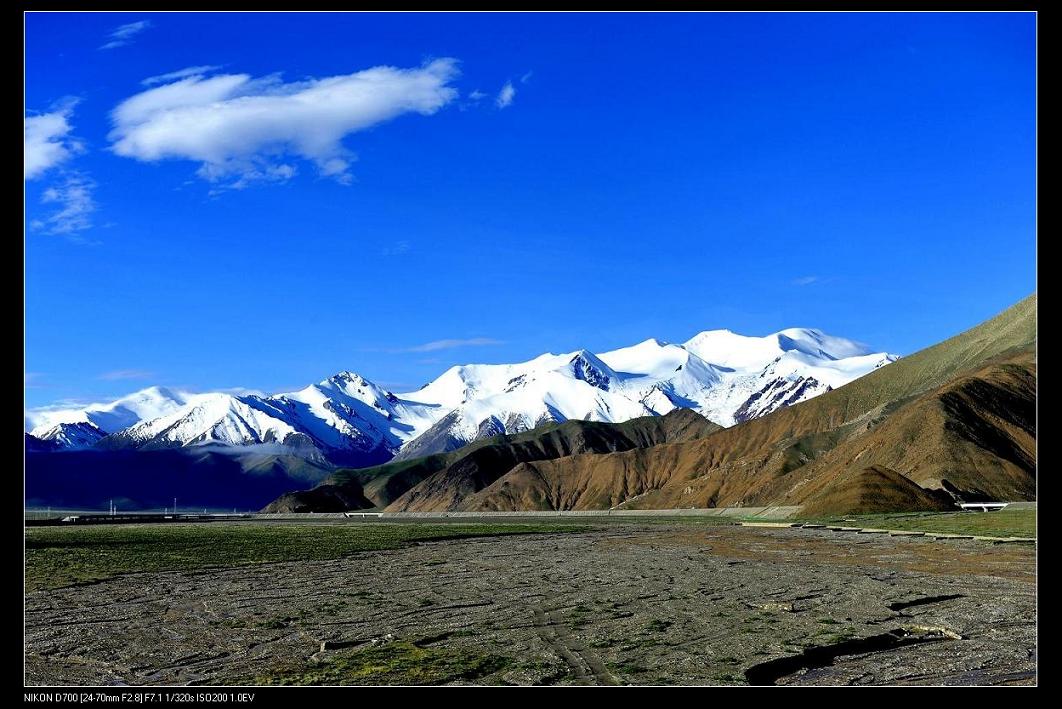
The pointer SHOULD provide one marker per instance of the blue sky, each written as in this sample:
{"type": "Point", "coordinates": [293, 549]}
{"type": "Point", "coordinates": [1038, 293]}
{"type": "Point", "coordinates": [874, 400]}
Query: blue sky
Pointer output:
{"type": "Point", "coordinates": [272, 211]}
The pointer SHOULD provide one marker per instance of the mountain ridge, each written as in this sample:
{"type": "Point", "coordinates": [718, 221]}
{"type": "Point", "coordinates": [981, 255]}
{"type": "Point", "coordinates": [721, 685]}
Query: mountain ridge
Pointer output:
{"type": "Point", "coordinates": [348, 420]}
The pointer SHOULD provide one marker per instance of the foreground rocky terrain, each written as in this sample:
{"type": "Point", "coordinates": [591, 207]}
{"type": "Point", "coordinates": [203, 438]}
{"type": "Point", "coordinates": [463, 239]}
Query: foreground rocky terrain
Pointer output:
{"type": "Point", "coordinates": [630, 602]}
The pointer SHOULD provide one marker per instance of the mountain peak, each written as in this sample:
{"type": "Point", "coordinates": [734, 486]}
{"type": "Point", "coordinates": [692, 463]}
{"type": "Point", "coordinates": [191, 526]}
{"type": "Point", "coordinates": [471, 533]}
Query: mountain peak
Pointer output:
{"type": "Point", "coordinates": [817, 343]}
{"type": "Point", "coordinates": [72, 436]}
{"type": "Point", "coordinates": [588, 367]}
{"type": "Point", "coordinates": [344, 377]}
{"type": "Point", "coordinates": [584, 355]}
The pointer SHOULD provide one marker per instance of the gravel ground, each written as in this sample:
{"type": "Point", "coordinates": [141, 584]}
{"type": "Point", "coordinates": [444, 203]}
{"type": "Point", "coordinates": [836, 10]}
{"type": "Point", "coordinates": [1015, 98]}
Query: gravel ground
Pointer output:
{"type": "Point", "coordinates": [627, 603]}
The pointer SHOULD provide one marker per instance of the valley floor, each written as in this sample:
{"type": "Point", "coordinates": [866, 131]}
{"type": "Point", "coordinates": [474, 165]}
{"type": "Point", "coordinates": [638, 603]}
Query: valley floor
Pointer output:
{"type": "Point", "coordinates": [617, 602]}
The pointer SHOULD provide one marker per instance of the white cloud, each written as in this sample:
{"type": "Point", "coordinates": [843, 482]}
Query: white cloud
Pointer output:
{"type": "Point", "coordinates": [397, 249]}
{"type": "Point", "coordinates": [252, 174]}
{"type": "Point", "coordinates": [179, 74]}
{"type": "Point", "coordinates": [526, 77]}
{"type": "Point", "coordinates": [123, 34]}
{"type": "Point", "coordinates": [477, 95]}
{"type": "Point", "coordinates": [241, 128]}
{"type": "Point", "coordinates": [505, 96]}
{"type": "Point", "coordinates": [47, 141]}
{"type": "Point", "coordinates": [804, 280]}
{"type": "Point", "coordinates": [121, 374]}
{"type": "Point", "coordinates": [76, 205]}
{"type": "Point", "coordinates": [437, 345]}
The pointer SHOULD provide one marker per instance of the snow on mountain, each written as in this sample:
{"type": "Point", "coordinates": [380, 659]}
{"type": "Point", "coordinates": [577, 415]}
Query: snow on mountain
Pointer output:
{"type": "Point", "coordinates": [727, 349]}
{"type": "Point", "coordinates": [663, 376]}
{"type": "Point", "coordinates": [210, 418]}
{"type": "Point", "coordinates": [140, 406]}
{"type": "Point", "coordinates": [72, 436]}
{"type": "Point", "coordinates": [478, 400]}
{"type": "Point", "coordinates": [763, 374]}
{"type": "Point", "coordinates": [344, 418]}
{"type": "Point", "coordinates": [347, 419]}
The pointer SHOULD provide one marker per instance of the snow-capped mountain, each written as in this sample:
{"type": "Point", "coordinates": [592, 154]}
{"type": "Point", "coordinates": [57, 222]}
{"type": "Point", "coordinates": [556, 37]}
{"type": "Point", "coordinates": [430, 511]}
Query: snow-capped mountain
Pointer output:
{"type": "Point", "coordinates": [72, 436]}
{"type": "Point", "coordinates": [766, 373]}
{"type": "Point", "coordinates": [726, 377]}
{"type": "Point", "coordinates": [81, 427]}
{"type": "Point", "coordinates": [347, 419]}
{"type": "Point", "coordinates": [480, 400]}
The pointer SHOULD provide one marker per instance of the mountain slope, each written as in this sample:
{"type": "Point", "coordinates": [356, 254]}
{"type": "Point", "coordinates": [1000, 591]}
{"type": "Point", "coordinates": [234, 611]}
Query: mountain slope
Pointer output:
{"type": "Point", "coordinates": [33, 444]}
{"type": "Point", "coordinates": [471, 468]}
{"type": "Point", "coordinates": [974, 437]}
{"type": "Point", "coordinates": [981, 382]}
{"type": "Point", "coordinates": [71, 436]}
{"type": "Point", "coordinates": [875, 489]}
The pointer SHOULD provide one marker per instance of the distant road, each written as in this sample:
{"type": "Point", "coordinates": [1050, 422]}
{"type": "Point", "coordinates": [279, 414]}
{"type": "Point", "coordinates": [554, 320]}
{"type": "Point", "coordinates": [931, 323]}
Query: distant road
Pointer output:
{"type": "Point", "coordinates": [38, 518]}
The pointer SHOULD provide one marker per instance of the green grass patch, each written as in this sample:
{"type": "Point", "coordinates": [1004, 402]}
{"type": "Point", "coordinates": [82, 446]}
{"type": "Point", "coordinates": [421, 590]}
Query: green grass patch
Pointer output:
{"type": "Point", "coordinates": [395, 663]}
{"type": "Point", "coordinates": [1002, 523]}
{"type": "Point", "coordinates": [64, 556]}
{"type": "Point", "coordinates": [627, 668]}
{"type": "Point", "coordinates": [603, 644]}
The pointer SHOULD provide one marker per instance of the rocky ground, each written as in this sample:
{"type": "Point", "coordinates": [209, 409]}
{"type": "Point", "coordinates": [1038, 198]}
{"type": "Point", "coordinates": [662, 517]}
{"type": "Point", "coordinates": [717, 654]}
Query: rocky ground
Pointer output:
{"type": "Point", "coordinates": [624, 603]}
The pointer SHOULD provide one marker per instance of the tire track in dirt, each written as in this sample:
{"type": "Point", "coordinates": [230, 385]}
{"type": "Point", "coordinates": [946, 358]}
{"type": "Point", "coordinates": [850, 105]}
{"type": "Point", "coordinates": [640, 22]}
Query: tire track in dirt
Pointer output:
{"type": "Point", "coordinates": [586, 665]}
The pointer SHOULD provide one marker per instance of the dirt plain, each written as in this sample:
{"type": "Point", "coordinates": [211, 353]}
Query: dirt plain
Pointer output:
{"type": "Point", "coordinates": [628, 602]}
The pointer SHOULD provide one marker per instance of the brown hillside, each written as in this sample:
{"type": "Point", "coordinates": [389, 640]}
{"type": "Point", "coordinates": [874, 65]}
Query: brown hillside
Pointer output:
{"type": "Point", "coordinates": [478, 468]}
{"type": "Point", "coordinates": [446, 478]}
{"type": "Point", "coordinates": [874, 489]}
{"type": "Point", "coordinates": [975, 437]}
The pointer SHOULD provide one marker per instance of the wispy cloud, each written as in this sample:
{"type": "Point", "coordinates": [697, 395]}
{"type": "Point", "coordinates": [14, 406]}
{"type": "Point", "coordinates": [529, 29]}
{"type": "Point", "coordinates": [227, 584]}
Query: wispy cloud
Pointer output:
{"type": "Point", "coordinates": [244, 129]}
{"type": "Point", "coordinates": [48, 145]}
{"type": "Point", "coordinates": [179, 74]}
{"type": "Point", "coordinates": [436, 345]}
{"type": "Point", "coordinates": [804, 280]}
{"type": "Point", "coordinates": [505, 96]}
{"type": "Point", "coordinates": [73, 197]}
{"type": "Point", "coordinates": [471, 100]}
{"type": "Point", "coordinates": [526, 77]}
{"type": "Point", "coordinates": [124, 34]}
{"type": "Point", "coordinates": [123, 374]}
{"type": "Point", "coordinates": [262, 174]}
{"type": "Point", "coordinates": [58, 405]}
{"type": "Point", "coordinates": [47, 141]}
{"type": "Point", "coordinates": [396, 249]}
